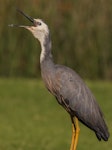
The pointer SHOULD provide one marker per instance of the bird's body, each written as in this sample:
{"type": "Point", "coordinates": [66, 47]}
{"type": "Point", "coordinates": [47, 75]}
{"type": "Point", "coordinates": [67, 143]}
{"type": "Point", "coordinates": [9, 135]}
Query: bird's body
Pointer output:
{"type": "Point", "coordinates": [67, 86]}
{"type": "Point", "coordinates": [73, 94]}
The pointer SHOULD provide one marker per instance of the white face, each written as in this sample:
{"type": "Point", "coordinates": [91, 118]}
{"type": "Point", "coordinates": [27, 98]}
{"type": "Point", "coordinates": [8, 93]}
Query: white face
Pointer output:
{"type": "Point", "coordinates": [39, 29]}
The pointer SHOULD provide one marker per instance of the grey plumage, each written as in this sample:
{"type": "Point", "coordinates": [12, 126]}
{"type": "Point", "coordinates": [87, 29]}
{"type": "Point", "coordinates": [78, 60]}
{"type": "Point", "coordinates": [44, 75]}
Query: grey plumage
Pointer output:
{"type": "Point", "coordinates": [66, 85]}
{"type": "Point", "coordinates": [72, 93]}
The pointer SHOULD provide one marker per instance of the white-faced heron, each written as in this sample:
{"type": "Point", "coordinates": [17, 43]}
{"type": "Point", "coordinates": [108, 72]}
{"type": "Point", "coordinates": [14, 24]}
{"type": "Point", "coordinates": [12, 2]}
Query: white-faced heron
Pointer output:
{"type": "Point", "coordinates": [67, 87]}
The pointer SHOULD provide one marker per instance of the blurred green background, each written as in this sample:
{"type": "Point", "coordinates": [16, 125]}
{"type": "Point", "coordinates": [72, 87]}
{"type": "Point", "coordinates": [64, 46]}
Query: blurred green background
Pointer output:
{"type": "Point", "coordinates": [81, 33]}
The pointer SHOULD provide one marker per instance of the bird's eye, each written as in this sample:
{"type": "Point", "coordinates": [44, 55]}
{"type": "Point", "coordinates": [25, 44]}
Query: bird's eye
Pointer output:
{"type": "Point", "coordinates": [39, 23]}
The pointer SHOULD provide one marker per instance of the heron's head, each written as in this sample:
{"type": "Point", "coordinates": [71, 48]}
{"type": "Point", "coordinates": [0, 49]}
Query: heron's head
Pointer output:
{"type": "Point", "coordinates": [38, 28]}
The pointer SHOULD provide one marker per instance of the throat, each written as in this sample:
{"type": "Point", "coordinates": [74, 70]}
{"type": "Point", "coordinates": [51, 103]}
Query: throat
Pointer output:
{"type": "Point", "coordinates": [46, 60]}
{"type": "Point", "coordinates": [45, 49]}
{"type": "Point", "coordinates": [45, 54]}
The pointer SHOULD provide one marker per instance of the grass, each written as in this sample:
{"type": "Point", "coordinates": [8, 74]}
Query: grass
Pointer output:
{"type": "Point", "coordinates": [31, 119]}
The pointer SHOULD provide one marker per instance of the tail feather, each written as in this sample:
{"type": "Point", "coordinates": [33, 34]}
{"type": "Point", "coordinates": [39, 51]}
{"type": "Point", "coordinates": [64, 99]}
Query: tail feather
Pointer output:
{"type": "Point", "coordinates": [103, 136]}
{"type": "Point", "coordinates": [102, 133]}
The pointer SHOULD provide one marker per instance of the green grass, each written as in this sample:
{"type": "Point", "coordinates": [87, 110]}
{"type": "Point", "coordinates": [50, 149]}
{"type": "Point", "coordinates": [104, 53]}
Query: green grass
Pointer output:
{"type": "Point", "coordinates": [31, 119]}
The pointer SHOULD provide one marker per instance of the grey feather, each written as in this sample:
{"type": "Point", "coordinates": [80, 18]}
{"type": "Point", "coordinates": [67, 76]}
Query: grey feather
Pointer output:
{"type": "Point", "coordinates": [64, 83]}
{"type": "Point", "coordinates": [73, 94]}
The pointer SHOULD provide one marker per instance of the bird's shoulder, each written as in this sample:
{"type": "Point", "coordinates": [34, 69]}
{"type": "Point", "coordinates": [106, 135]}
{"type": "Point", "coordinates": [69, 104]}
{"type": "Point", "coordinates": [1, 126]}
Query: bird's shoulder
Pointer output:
{"type": "Point", "coordinates": [72, 87]}
{"type": "Point", "coordinates": [67, 76]}
{"type": "Point", "coordinates": [67, 82]}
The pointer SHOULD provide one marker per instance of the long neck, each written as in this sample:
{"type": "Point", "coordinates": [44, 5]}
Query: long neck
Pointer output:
{"type": "Point", "coordinates": [46, 62]}
{"type": "Point", "coordinates": [46, 55]}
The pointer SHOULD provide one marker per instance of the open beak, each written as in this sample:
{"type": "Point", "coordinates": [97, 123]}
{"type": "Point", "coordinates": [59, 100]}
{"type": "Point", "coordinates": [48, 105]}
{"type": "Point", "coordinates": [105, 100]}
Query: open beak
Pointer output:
{"type": "Point", "coordinates": [25, 15]}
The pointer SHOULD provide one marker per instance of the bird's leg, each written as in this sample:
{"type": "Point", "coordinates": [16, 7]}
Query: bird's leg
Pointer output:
{"type": "Point", "coordinates": [73, 137]}
{"type": "Point", "coordinates": [77, 129]}
{"type": "Point", "coordinates": [75, 133]}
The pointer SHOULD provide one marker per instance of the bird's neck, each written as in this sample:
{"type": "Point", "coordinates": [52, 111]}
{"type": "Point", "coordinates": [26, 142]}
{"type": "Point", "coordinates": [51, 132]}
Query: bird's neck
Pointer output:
{"type": "Point", "coordinates": [46, 62]}
{"type": "Point", "coordinates": [46, 55]}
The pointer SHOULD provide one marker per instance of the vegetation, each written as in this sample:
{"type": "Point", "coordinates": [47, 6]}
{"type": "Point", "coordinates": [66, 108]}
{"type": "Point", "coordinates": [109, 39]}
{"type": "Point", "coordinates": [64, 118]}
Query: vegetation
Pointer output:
{"type": "Point", "coordinates": [30, 118]}
{"type": "Point", "coordinates": [81, 34]}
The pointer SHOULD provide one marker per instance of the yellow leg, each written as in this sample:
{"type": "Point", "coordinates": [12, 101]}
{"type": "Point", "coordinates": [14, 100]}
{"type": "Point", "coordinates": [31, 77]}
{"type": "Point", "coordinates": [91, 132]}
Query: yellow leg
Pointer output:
{"type": "Point", "coordinates": [73, 137]}
{"type": "Point", "coordinates": [75, 133]}
{"type": "Point", "coordinates": [77, 129]}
